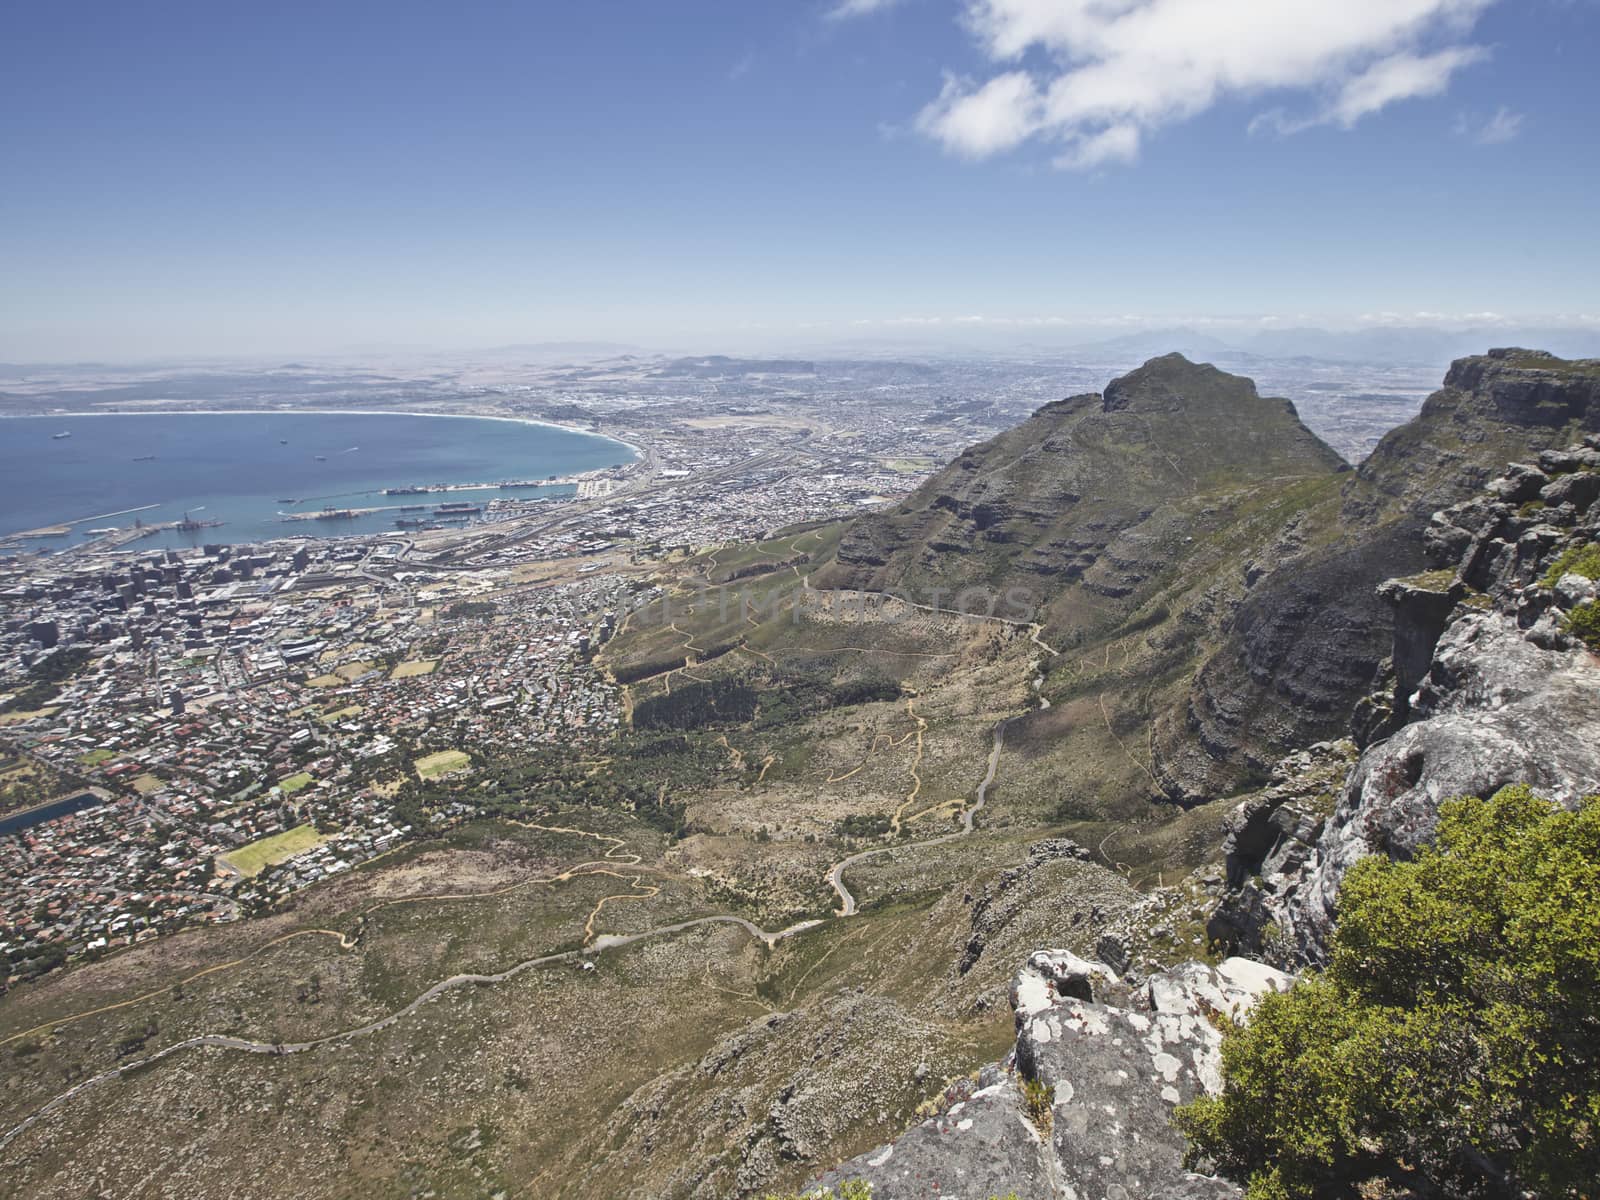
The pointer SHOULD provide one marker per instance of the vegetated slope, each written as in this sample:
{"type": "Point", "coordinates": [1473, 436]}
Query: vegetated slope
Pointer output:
{"type": "Point", "coordinates": [1080, 510]}
{"type": "Point", "coordinates": [1187, 525]}
{"type": "Point", "coordinates": [1303, 644]}
{"type": "Point", "coordinates": [1479, 1077]}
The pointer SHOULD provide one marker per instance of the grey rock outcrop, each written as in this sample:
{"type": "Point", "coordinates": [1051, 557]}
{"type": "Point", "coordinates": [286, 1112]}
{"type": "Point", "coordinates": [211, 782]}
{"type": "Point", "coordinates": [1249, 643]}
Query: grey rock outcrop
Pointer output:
{"type": "Point", "coordinates": [1488, 688]}
{"type": "Point", "coordinates": [1497, 709]}
{"type": "Point", "coordinates": [1308, 636]}
{"type": "Point", "coordinates": [1269, 840]}
{"type": "Point", "coordinates": [1084, 1108]}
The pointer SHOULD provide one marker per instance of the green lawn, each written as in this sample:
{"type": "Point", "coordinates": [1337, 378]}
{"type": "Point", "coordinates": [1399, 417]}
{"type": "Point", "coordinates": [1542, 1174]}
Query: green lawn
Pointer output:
{"type": "Point", "coordinates": [269, 851]}
{"type": "Point", "coordinates": [95, 757]}
{"type": "Point", "coordinates": [442, 763]}
{"type": "Point", "coordinates": [294, 783]}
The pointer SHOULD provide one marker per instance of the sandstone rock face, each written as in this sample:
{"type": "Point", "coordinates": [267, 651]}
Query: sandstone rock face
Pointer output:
{"type": "Point", "coordinates": [1489, 689]}
{"type": "Point", "coordinates": [1307, 640]}
{"type": "Point", "coordinates": [1270, 840]}
{"type": "Point", "coordinates": [1497, 709]}
{"type": "Point", "coordinates": [1114, 1063]}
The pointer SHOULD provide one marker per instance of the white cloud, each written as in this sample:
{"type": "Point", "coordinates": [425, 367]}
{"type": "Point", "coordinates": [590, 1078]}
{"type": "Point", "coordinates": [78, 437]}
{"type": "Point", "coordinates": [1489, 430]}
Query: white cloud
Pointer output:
{"type": "Point", "coordinates": [1098, 76]}
{"type": "Point", "coordinates": [846, 10]}
{"type": "Point", "coordinates": [1501, 127]}
{"type": "Point", "coordinates": [1114, 144]}
{"type": "Point", "coordinates": [1399, 77]}
{"type": "Point", "coordinates": [1001, 114]}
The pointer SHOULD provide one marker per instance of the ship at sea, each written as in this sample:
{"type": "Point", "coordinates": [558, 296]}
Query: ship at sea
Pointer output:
{"type": "Point", "coordinates": [145, 458]}
{"type": "Point", "coordinates": [65, 433]}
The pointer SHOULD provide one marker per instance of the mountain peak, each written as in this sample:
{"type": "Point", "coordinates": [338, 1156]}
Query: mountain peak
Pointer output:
{"type": "Point", "coordinates": [1163, 384]}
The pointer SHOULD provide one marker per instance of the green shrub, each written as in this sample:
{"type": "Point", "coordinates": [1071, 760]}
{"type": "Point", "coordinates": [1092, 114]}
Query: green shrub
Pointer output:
{"type": "Point", "coordinates": [1038, 1102]}
{"type": "Point", "coordinates": [1584, 622]}
{"type": "Point", "coordinates": [1453, 1043]}
{"type": "Point", "coordinates": [1576, 560]}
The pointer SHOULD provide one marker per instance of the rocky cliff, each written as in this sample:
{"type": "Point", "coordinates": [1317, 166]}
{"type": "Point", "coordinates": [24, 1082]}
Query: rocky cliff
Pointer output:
{"type": "Point", "coordinates": [1182, 508]}
{"type": "Point", "coordinates": [1306, 639]}
{"type": "Point", "coordinates": [1489, 685]}
{"type": "Point", "coordinates": [1083, 1106]}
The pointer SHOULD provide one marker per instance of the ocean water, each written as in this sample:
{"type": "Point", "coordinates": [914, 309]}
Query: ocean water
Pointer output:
{"type": "Point", "coordinates": [248, 469]}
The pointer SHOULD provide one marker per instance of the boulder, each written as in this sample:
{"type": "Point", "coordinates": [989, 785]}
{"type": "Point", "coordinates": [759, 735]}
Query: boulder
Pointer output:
{"type": "Point", "coordinates": [1501, 705]}
{"type": "Point", "coordinates": [1579, 490]}
{"type": "Point", "coordinates": [1519, 484]}
{"type": "Point", "coordinates": [1085, 1107]}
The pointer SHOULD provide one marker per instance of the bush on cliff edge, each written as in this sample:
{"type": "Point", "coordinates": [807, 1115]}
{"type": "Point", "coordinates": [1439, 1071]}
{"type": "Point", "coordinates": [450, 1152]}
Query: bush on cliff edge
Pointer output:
{"type": "Point", "coordinates": [1451, 1045]}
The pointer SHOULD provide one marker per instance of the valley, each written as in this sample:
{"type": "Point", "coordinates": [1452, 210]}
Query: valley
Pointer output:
{"type": "Point", "coordinates": [864, 768]}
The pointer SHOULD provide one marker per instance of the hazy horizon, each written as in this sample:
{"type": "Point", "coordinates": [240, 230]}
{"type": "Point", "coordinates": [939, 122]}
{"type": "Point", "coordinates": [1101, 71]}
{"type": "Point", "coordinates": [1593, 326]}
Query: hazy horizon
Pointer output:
{"type": "Point", "coordinates": [191, 181]}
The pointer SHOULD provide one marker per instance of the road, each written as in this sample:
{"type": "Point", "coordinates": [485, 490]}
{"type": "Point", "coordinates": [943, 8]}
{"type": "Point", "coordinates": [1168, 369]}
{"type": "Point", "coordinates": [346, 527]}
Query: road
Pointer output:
{"type": "Point", "coordinates": [601, 944]}
{"type": "Point", "coordinates": [847, 902]}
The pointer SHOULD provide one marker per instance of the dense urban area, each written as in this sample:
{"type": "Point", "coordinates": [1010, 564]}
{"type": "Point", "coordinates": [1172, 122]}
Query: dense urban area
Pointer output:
{"type": "Point", "coordinates": [190, 734]}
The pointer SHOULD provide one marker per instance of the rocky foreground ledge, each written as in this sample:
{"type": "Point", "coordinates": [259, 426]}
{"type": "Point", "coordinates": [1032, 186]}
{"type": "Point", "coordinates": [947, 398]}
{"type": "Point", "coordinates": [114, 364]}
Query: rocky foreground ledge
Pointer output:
{"type": "Point", "coordinates": [1082, 1110]}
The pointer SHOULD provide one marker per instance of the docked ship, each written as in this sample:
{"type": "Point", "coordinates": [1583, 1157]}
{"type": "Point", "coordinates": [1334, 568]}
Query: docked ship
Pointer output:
{"type": "Point", "coordinates": [335, 514]}
{"type": "Point", "coordinates": [406, 491]}
{"type": "Point", "coordinates": [458, 508]}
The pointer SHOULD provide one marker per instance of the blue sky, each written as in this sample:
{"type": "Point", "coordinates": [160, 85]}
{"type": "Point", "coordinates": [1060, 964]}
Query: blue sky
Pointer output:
{"type": "Point", "coordinates": [294, 178]}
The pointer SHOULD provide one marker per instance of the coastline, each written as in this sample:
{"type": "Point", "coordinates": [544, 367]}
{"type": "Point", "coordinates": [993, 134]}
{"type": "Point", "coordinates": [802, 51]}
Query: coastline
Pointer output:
{"type": "Point", "coordinates": [637, 450]}
{"type": "Point", "coordinates": [629, 454]}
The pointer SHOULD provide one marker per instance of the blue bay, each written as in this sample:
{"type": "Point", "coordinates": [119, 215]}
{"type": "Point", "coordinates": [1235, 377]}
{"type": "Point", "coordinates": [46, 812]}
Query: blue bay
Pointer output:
{"type": "Point", "coordinates": [241, 468]}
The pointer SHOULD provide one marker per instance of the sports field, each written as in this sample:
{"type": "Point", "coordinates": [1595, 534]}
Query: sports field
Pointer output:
{"type": "Point", "coordinates": [442, 763]}
{"type": "Point", "coordinates": [269, 851]}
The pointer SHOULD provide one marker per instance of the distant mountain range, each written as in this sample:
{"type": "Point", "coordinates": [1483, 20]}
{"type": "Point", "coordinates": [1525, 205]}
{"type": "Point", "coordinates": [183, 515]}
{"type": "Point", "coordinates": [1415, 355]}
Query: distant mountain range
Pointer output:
{"type": "Point", "coordinates": [1377, 345]}
{"type": "Point", "coordinates": [1411, 345]}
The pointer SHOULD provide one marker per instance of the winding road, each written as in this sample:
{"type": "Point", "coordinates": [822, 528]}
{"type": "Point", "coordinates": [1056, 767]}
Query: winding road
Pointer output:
{"type": "Point", "coordinates": [610, 941]}
{"type": "Point", "coordinates": [847, 902]}
{"type": "Point", "coordinates": [596, 945]}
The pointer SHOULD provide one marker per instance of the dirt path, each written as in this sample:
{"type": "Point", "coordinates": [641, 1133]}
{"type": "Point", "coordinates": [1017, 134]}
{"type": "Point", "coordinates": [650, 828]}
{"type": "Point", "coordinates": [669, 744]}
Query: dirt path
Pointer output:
{"type": "Point", "coordinates": [847, 902]}
{"type": "Point", "coordinates": [916, 763]}
{"type": "Point", "coordinates": [595, 944]}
